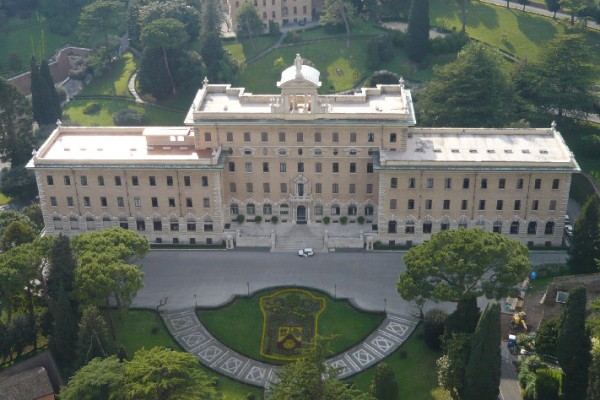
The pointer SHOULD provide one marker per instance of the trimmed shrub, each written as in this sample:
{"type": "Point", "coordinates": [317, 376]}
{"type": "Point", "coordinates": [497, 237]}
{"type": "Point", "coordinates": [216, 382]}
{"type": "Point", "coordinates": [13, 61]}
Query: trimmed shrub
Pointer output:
{"type": "Point", "coordinates": [451, 43]}
{"type": "Point", "coordinates": [326, 220]}
{"type": "Point", "coordinates": [92, 108]}
{"type": "Point", "coordinates": [360, 219]}
{"type": "Point", "coordinates": [547, 384]}
{"type": "Point", "coordinates": [240, 218]}
{"type": "Point", "coordinates": [434, 325]}
{"type": "Point", "coordinates": [274, 219]}
{"type": "Point", "coordinates": [258, 219]}
{"type": "Point", "coordinates": [344, 220]}
{"type": "Point", "coordinates": [129, 117]}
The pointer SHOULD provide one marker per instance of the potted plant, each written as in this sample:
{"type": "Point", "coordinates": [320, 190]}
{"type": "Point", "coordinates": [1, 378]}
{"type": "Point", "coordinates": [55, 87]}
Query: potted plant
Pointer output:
{"type": "Point", "coordinates": [240, 218]}
{"type": "Point", "coordinates": [258, 219]}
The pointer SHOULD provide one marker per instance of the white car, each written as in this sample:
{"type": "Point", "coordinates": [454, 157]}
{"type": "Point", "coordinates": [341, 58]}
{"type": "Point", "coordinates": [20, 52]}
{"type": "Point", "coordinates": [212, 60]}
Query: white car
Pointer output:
{"type": "Point", "coordinates": [569, 230]}
{"type": "Point", "coordinates": [306, 252]}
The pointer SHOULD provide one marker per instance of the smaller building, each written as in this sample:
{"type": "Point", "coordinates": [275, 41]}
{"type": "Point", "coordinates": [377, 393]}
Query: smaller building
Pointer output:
{"type": "Point", "coordinates": [283, 12]}
{"type": "Point", "coordinates": [33, 384]}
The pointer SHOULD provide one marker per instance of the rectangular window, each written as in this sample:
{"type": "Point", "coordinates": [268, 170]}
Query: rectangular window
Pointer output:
{"type": "Point", "coordinates": [187, 181]}
{"type": "Point", "coordinates": [555, 183]}
{"type": "Point", "coordinates": [67, 180]}
{"type": "Point", "coordinates": [207, 137]}
{"type": "Point", "coordinates": [232, 187]}
{"type": "Point", "coordinates": [249, 187]}
{"type": "Point", "coordinates": [152, 180]}
{"type": "Point", "coordinates": [229, 136]}
{"type": "Point", "coordinates": [154, 201]}
{"type": "Point", "coordinates": [53, 201]}
{"type": "Point", "coordinates": [300, 167]}
{"type": "Point", "coordinates": [169, 181]}
{"type": "Point", "coordinates": [393, 204]}
{"type": "Point", "coordinates": [120, 202]}
{"type": "Point", "coordinates": [134, 181]}
{"type": "Point", "coordinates": [300, 137]}
{"type": "Point", "coordinates": [370, 137]}
{"type": "Point", "coordinates": [318, 168]}
{"type": "Point", "coordinates": [369, 188]}
{"type": "Point", "coordinates": [429, 183]}
{"type": "Point", "coordinates": [117, 181]}
{"type": "Point", "coordinates": [411, 204]}
{"type": "Point", "coordinates": [86, 201]}
{"type": "Point", "coordinates": [137, 202]}
{"type": "Point", "coordinates": [519, 184]}
{"type": "Point", "coordinates": [100, 181]}
{"type": "Point", "coordinates": [318, 188]}
{"type": "Point", "coordinates": [103, 202]}
{"type": "Point", "coordinates": [448, 183]}
{"type": "Point", "coordinates": [499, 205]}
{"type": "Point", "coordinates": [352, 137]}
{"type": "Point", "coordinates": [49, 180]}
{"type": "Point", "coordinates": [282, 167]}
{"type": "Point", "coordinates": [427, 227]}
{"type": "Point", "coordinates": [264, 136]}
{"type": "Point", "coordinates": [392, 137]}
{"type": "Point", "coordinates": [157, 225]}
{"type": "Point", "coordinates": [335, 168]}
{"type": "Point", "coordinates": [246, 136]}
{"type": "Point", "coordinates": [191, 227]}
{"type": "Point", "coordinates": [318, 137]}
{"type": "Point", "coordinates": [394, 183]}
{"type": "Point", "coordinates": [552, 206]}
{"type": "Point", "coordinates": [501, 183]}
{"type": "Point", "coordinates": [517, 206]}
{"type": "Point", "coordinates": [266, 187]}
{"type": "Point", "coordinates": [481, 205]}
{"type": "Point", "coordinates": [369, 168]}
{"type": "Point", "coordinates": [446, 204]}
{"type": "Point", "coordinates": [484, 183]}
{"type": "Point", "coordinates": [335, 188]}
{"type": "Point", "coordinates": [412, 183]}
{"type": "Point", "coordinates": [538, 184]}
{"type": "Point", "coordinates": [535, 204]}
{"type": "Point", "coordinates": [352, 188]}
{"type": "Point", "coordinates": [282, 136]}
{"type": "Point", "coordinates": [205, 181]}
{"type": "Point", "coordinates": [464, 204]}
{"type": "Point", "coordinates": [428, 204]}
{"type": "Point", "coordinates": [248, 167]}
{"type": "Point", "coordinates": [83, 180]}
{"type": "Point", "coordinates": [352, 168]}
{"type": "Point", "coordinates": [189, 202]}
{"type": "Point", "coordinates": [283, 187]}
{"type": "Point", "coordinates": [466, 183]}
{"type": "Point", "coordinates": [171, 202]}
{"type": "Point", "coordinates": [265, 167]}
{"type": "Point", "coordinates": [335, 137]}
{"type": "Point", "coordinates": [70, 201]}
{"type": "Point", "coordinates": [231, 166]}
{"type": "Point", "coordinates": [206, 202]}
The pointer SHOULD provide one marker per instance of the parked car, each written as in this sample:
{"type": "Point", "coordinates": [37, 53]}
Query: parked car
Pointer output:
{"type": "Point", "coordinates": [569, 230]}
{"type": "Point", "coordinates": [306, 252]}
{"type": "Point", "coordinates": [567, 220]}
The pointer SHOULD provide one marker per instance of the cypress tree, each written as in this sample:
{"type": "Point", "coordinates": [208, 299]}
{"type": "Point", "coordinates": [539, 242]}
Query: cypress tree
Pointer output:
{"type": "Point", "coordinates": [54, 101]}
{"type": "Point", "coordinates": [417, 34]}
{"type": "Point", "coordinates": [573, 346]}
{"type": "Point", "coordinates": [482, 374]}
{"type": "Point", "coordinates": [63, 335]}
{"type": "Point", "coordinates": [40, 96]}
{"type": "Point", "coordinates": [384, 385]}
{"type": "Point", "coordinates": [585, 248]}
{"type": "Point", "coordinates": [464, 318]}
{"type": "Point", "coordinates": [62, 267]}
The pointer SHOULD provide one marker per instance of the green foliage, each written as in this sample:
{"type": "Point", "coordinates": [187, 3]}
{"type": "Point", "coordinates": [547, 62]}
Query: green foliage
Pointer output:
{"type": "Point", "coordinates": [274, 219]}
{"type": "Point", "coordinates": [434, 325]}
{"type": "Point", "coordinates": [552, 6]}
{"type": "Point", "coordinates": [593, 390]}
{"type": "Point", "coordinates": [547, 385]}
{"type": "Point", "coordinates": [451, 366]}
{"type": "Point", "coordinates": [573, 346]}
{"type": "Point", "coordinates": [462, 263]}
{"type": "Point", "coordinates": [545, 340]}
{"type": "Point", "coordinates": [92, 341]}
{"type": "Point", "coordinates": [590, 145]}
{"type": "Point", "coordinates": [464, 319]}
{"type": "Point", "coordinates": [258, 219]}
{"type": "Point", "coordinates": [16, 134]}
{"type": "Point", "coordinates": [16, 234]}
{"type": "Point", "coordinates": [360, 219]}
{"type": "Point", "coordinates": [180, 10]}
{"type": "Point", "coordinates": [585, 244]}
{"type": "Point", "coordinates": [249, 23]}
{"type": "Point", "coordinates": [337, 14]}
{"type": "Point", "coordinates": [92, 108]}
{"type": "Point", "coordinates": [384, 77]}
{"type": "Point", "coordinates": [15, 62]}
{"type": "Point", "coordinates": [62, 267]}
{"type": "Point", "coordinates": [34, 213]}
{"type": "Point", "coordinates": [117, 244]}
{"type": "Point", "coordinates": [384, 385]}
{"type": "Point", "coordinates": [417, 34]}
{"type": "Point", "coordinates": [210, 38]}
{"type": "Point", "coordinates": [451, 43]}
{"type": "Point", "coordinates": [9, 216]}
{"type": "Point", "coordinates": [326, 219]}
{"type": "Point", "coordinates": [101, 16]}
{"type": "Point", "coordinates": [240, 218]}
{"type": "Point", "coordinates": [473, 91]}
{"type": "Point", "coordinates": [95, 381]}
{"type": "Point", "coordinates": [129, 117]}
{"type": "Point", "coordinates": [44, 110]}
{"type": "Point", "coordinates": [18, 182]}
{"type": "Point", "coordinates": [63, 336]}
{"type": "Point", "coordinates": [343, 220]}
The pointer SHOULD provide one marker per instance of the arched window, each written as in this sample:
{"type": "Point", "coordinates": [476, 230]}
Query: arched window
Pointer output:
{"type": "Point", "coordinates": [208, 225]}
{"type": "Point", "coordinates": [57, 223]}
{"type": "Point", "coordinates": [90, 223]}
{"type": "Point", "coordinates": [335, 209]}
{"type": "Point", "coordinates": [352, 209]}
{"type": "Point", "coordinates": [369, 210]}
{"type": "Point", "coordinates": [318, 209]}
{"type": "Point", "coordinates": [514, 228]}
{"type": "Point", "coordinates": [410, 227]}
{"type": "Point", "coordinates": [174, 225]}
{"type": "Point", "coordinates": [532, 228]}
{"type": "Point", "coordinates": [74, 223]}
{"type": "Point", "coordinates": [234, 209]}
{"type": "Point", "coordinates": [250, 209]}
{"type": "Point", "coordinates": [106, 222]}
{"type": "Point", "coordinates": [549, 229]}
{"type": "Point", "coordinates": [497, 227]}
{"type": "Point", "coordinates": [123, 223]}
{"type": "Point", "coordinates": [140, 224]}
{"type": "Point", "coordinates": [267, 209]}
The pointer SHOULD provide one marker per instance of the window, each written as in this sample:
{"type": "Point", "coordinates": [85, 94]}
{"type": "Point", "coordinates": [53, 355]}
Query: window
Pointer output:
{"type": "Point", "coordinates": [205, 181]}
{"type": "Point", "coordinates": [394, 183]}
{"type": "Point", "coordinates": [53, 201]}
{"type": "Point", "coordinates": [117, 181]}
{"type": "Point", "coordinates": [232, 187]}
{"type": "Point", "coordinates": [152, 180]}
{"type": "Point", "coordinates": [248, 167]}
{"type": "Point", "coordinates": [549, 228]}
{"type": "Point", "coordinates": [393, 137]}
{"type": "Point", "coordinates": [427, 227]}
{"type": "Point", "coordinates": [393, 203]}
{"type": "Point", "coordinates": [283, 187]}
{"type": "Point", "coordinates": [429, 183]}
{"type": "Point", "coordinates": [120, 202]}
{"type": "Point", "coordinates": [370, 137]}
{"type": "Point", "coordinates": [352, 188]}
{"type": "Point", "coordinates": [335, 137]}
{"type": "Point", "coordinates": [535, 204]}
{"type": "Point", "coordinates": [517, 206]}
{"type": "Point", "coordinates": [229, 136]}
{"type": "Point", "coordinates": [446, 204]}
{"type": "Point", "coordinates": [207, 137]}
{"type": "Point", "coordinates": [352, 137]}
{"type": "Point", "coordinates": [101, 181]}
{"type": "Point", "coordinates": [335, 209]}
{"type": "Point", "coordinates": [246, 136]}
{"type": "Point", "coordinates": [282, 167]}
{"type": "Point", "coordinates": [369, 210]}
{"type": "Point", "coordinates": [318, 188]}
{"type": "Point", "coordinates": [266, 187]}
{"type": "Point", "coordinates": [284, 209]}
{"type": "Point", "coordinates": [428, 204]}
{"type": "Point", "coordinates": [532, 228]}
{"type": "Point", "coordinates": [538, 184]}
{"type": "Point", "coordinates": [157, 225]}
{"type": "Point", "coordinates": [501, 183]}
{"type": "Point", "coordinates": [445, 226]}
{"type": "Point", "coordinates": [86, 201]}
{"type": "Point", "coordinates": [555, 183]}
{"type": "Point", "coordinates": [352, 168]}
{"type": "Point", "coordinates": [369, 168]}
{"type": "Point", "coordinates": [74, 222]}
{"type": "Point", "coordinates": [140, 224]}
{"type": "Point", "coordinates": [250, 209]}
{"type": "Point", "coordinates": [206, 202]}
{"type": "Point", "coordinates": [57, 223]}
{"type": "Point", "coordinates": [369, 188]}
{"type": "Point", "coordinates": [319, 210]}
{"type": "Point", "coordinates": [499, 205]}
{"type": "Point", "coordinates": [265, 167]}
{"type": "Point", "coordinates": [552, 206]}
{"type": "Point", "coordinates": [335, 167]}
{"type": "Point", "coordinates": [300, 167]}
{"type": "Point", "coordinates": [317, 137]}
{"type": "Point", "coordinates": [249, 187]}
{"type": "Point", "coordinates": [49, 180]}
{"type": "Point", "coordinates": [171, 201]}
{"type": "Point", "coordinates": [335, 188]}
{"type": "Point", "coordinates": [267, 209]}
{"type": "Point", "coordinates": [169, 181]}
{"type": "Point", "coordinates": [448, 183]}
{"type": "Point", "coordinates": [134, 181]}
{"type": "Point", "coordinates": [411, 204]}
{"type": "Point", "coordinates": [69, 201]}
{"type": "Point", "coordinates": [410, 227]}
{"type": "Point", "coordinates": [154, 201]}
{"type": "Point", "coordinates": [189, 202]}
{"type": "Point", "coordinates": [234, 209]}
{"type": "Point", "coordinates": [481, 205]}
{"type": "Point", "coordinates": [174, 226]}
{"type": "Point", "coordinates": [67, 180]}
{"type": "Point", "coordinates": [497, 227]}
{"type": "Point", "coordinates": [352, 209]}
{"type": "Point", "coordinates": [412, 183]}
{"type": "Point", "coordinates": [484, 183]}
{"type": "Point", "coordinates": [318, 168]}
{"type": "Point", "coordinates": [231, 166]}
{"type": "Point", "coordinates": [83, 180]}
{"type": "Point", "coordinates": [137, 201]}
{"type": "Point", "coordinates": [103, 202]}
{"type": "Point", "coordinates": [466, 183]}
{"type": "Point", "coordinates": [464, 204]}
{"type": "Point", "coordinates": [187, 181]}
{"type": "Point", "coordinates": [519, 184]}
{"type": "Point", "coordinates": [299, 137]}
{"type": "Point", "coordinates": [281, 136]}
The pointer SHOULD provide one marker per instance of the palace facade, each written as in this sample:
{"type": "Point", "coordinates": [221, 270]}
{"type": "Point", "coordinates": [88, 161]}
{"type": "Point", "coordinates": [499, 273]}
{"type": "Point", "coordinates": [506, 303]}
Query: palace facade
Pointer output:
{"type": "Point", "coordinates": [283, 12]}
{"type": "Point", "coordinates": [305, 158]}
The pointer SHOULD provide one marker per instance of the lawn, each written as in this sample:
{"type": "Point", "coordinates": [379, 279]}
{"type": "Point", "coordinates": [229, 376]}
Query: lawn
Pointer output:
{"type": "Point", "coordinates": [4, 199]}
{"type": "Point", "coordinates": [73, 113]}
{"type": "Point", "coordinates": [239, 325]}
{"type": "Point", "coordinates": [242, 50]}
{"type": "Point", "coordinates": [140, 328]}
{"type": "Point", "coordinates": [359, 28]}
{"type": "Point", "coordinates": [113, 82]}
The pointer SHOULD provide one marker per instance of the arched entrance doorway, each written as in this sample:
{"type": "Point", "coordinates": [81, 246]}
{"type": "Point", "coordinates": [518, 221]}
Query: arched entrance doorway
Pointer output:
{"type": "Point", "coordinates": [301, 214]}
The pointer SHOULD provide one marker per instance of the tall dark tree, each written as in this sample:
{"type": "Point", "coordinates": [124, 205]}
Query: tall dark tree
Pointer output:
{"type": "Point", "coordinates": [573, 346]}
{"type": "Point", "coordinates": [585, 243]}
{"type": "Point", "coordinates": [338, 13]}
{"type": "Point", "coordinates": [464, 319]}
{"type": "Point", "coordinates": [63, 336]}
{"type": "Point", "coordinates": [54, 98]}
{"type": "Point", "coordinates": [384, 385]}
{"type": "Point", "coordinates": [553, 6]}
{"type": "Point", "coordinates": [593, 390]}
{"type": "Point", "coordinates": [210, 37]}
{"type": "Point", "coordinates": [16, 133]}
{"type": "Point", "coordinates": [463, 4]}
{"type": "Point", "coordinates": [417, 34]}
{"type": "Point", "coordinates": [101, 16]}
{"type": "Point", "coordinates": [482, 374]}
{"type": "Point", "coordinates": [451, 366]}
{"type": "Point", "coordinates": [546, 335]}
{"type": "Point", "coordinates": [93, 336]}
{"type": "Point", "coordinates": [41, 98]}
{"type": "Point", "coordinates": [62, 267]}
{"type": "Point", "coordinates": [180, 10]}
{"type": "Point", "coordinates": [249, 22]}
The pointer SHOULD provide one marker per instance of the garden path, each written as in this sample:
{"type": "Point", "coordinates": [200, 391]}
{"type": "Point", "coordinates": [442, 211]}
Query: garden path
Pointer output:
{"type": "Point", "coordinates": [189, 332]}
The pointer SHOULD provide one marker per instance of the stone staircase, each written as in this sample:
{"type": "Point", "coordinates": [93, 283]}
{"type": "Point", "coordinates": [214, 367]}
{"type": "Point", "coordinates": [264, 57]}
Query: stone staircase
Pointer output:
{"type": "Point", "coordinates": [297, 239]}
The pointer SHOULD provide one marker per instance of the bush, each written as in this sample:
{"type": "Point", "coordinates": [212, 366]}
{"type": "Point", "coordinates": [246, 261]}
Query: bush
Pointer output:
{"type": "Point", "coordinates": [384, 77]}
{"type": "Point", "coordinates": [92, 108]}
{"type": "Point", "coordinates": [240, 218]}
{"type": "Point", "coordinates": [274, 219]}
{"type": "Point", "coordinates": [398, 39]}
{"type": "Point", "coordinates": [344, 220]}
{"type": "Point", "coordinates": [590, 145]}
{"type": "Point", "coordinates": [451, 43]}
{"type": "Point", "coordinates": [258, 219]}
{"type": "Point", "coordinates": [360, 219]}
{"type": "Point", "coordinates": [292, 37]}
{"type": "Point", "coordinates": [274, 28]}
{"type": "Point", "coordinates": [326, 220]}
{"type": "Point", "coordinates": [129, 117]}
{"type": "Point", "coordinates": [547, 384]}
{"type": "Point", "coordinates": [433, 328]}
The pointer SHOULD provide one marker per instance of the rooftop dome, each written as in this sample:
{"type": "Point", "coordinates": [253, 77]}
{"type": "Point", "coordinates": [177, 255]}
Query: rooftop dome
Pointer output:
{"type": "Point", "coordinates": [300, 71]}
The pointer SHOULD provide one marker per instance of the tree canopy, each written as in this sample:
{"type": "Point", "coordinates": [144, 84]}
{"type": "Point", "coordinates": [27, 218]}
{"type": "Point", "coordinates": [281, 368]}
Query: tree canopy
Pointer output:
{"type": "Point", "coordinates": [585, 243]}
{"type": "Point", "coordinates": [94, 381]}
{"type": "Point", "coordinates": [16, 133]}
{"type": "Point", "coordinates": [461, 263]}
{"type": "Point", "coordinates": [417, 34]}
{"type": "Point", "coordinates": [101, 16]}
{"type": "Point", "coordinates": [338, 13]}
{"type": "Point", "coordinates": [249, 22]}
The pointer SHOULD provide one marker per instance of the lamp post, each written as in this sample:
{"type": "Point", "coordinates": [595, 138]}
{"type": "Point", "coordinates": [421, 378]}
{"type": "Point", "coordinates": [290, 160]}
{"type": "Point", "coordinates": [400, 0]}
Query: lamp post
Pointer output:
{"type": "Point", "coordinates": [195, 301]}
{"type": "Point", "coordinates": [335, 291]}
{"type": "Point", "coordinates": [385, 304]}
{"type": "Point", "coordinates": [248, 286]}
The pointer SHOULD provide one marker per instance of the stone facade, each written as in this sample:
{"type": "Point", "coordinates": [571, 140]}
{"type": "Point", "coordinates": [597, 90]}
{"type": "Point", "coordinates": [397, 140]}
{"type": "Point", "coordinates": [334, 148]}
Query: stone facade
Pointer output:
{"type": "Point", "coordinates": [305, 157]}
{"type": "Point", "coordinates": [283, 12]}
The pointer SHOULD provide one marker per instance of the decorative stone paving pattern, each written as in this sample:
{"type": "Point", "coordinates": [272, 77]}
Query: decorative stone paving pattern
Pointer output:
{"type": "Point", "coordinates": [194, 338]}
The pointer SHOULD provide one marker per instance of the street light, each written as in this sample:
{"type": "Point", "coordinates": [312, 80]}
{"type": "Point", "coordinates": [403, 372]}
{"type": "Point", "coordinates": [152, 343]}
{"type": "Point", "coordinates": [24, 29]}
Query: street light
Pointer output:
{"type": "Point", "coordinates": [195, 300]}
{"type": "Point", "coordinates": [248, 286]}
{"type": "Point", "coordinates": [335, 291]}
{"type": "Point", "coordinates": [384, 304]}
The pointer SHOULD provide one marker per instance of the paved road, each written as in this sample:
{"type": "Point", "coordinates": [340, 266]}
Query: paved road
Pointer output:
{"type": "Point", "coordinates": [211, 278]}
{"type": "Point", "coordinates": [509, 383]}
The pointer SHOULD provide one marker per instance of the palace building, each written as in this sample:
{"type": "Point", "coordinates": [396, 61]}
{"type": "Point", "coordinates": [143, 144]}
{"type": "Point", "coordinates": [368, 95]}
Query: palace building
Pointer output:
{"type": "Point", "coordinates": [283, 12]}
{"type": "Point", "coordinates": [307, 159]}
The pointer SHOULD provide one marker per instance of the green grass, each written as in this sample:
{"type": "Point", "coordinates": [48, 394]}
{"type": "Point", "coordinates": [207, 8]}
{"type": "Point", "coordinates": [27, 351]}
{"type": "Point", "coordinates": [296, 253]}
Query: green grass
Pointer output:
{"type": "Point", "coordinates": [134, 331]}
{"type": "Point", "coordinates": [416, 373]}
{"type": "Point", "coordinates": [114, 82]}
{"type": "Point", "coordinates": [4, 199]}
{"type": "Point", "coordinates": [243, 50]}
{"type": "Point", "coordinates": [239, 325]}
{"type": "Point", "coordinates": [157, 116]}
{"type": "Point", "coordinates": [359, 28]}
{"type": "Point", "coordinates": [573, 131]}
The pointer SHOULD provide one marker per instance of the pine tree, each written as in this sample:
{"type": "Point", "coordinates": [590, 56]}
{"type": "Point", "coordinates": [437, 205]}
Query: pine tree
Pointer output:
{"type": "Point", "coordinates": [384, 385]}
{"type": "Point", "coordinates": [585, 244]}
{"type": "Point", "coordinates": [482, 374]}
{"type": "Point", "coordinates": [55, 111]}
{"type": "Point", "coordinates": [40, 96]}
{"type": "Point", "coordinates": [93, 336]}
{"type": "Point", "coordinates": [417, 35]}
{"type": "Point", "coordinates": [573, 346]}
{"type": "Point", "coordinates": [210, 36]}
